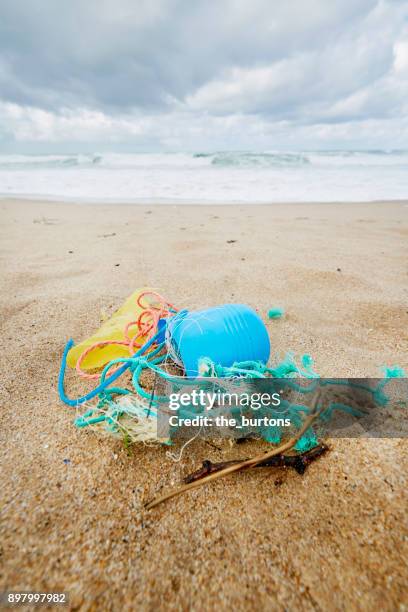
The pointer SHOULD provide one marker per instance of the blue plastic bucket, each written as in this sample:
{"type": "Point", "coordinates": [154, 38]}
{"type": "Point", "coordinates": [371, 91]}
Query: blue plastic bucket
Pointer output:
{"type": "Point", "coordinates": [225, 334]}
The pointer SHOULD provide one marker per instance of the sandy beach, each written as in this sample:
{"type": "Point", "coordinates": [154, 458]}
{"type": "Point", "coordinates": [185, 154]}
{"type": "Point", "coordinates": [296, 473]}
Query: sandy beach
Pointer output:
{"type": "Point", "coordinates": [72, 501]}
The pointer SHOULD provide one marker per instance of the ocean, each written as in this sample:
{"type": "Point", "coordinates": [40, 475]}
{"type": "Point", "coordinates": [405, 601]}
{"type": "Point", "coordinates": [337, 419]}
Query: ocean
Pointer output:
{"type": "Point", "coordinates": [219, 177]}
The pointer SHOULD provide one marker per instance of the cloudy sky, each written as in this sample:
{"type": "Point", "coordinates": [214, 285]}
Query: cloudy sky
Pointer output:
{"type": "Point", "coordinates": [84, 75]}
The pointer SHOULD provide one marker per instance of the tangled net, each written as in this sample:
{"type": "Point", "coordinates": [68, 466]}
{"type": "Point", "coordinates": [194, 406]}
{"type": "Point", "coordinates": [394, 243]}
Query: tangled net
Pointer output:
{"type": "Point", "coordinates": [131, 411]}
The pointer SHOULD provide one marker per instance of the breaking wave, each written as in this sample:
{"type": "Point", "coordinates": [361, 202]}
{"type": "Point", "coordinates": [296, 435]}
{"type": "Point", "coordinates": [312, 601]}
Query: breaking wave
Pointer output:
{"type": "Point", "coordinates": [22, 162]}
{"type": "Point", "coordinates": [205, 177]}
{"type": "Point", "coordinates": [260, 159]}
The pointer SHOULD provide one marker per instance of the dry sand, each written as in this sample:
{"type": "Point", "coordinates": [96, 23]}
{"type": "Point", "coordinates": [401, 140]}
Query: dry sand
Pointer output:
{"type": "Point", "coordinates": [333, 539]}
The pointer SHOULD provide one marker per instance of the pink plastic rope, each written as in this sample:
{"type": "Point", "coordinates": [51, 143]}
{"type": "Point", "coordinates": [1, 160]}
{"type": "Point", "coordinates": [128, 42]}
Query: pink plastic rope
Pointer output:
{"type": "Point", "coordinates": [146, 323]}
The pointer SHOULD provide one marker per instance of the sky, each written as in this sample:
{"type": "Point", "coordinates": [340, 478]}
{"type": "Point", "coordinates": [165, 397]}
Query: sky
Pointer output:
{"type": "Point", "coordinates": [171, 75]}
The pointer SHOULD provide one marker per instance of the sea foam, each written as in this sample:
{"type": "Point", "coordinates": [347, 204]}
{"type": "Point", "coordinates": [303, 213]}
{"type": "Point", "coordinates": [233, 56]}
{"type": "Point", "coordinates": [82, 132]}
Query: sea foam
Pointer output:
{"type": "Point", "coordinates": [203, 177]}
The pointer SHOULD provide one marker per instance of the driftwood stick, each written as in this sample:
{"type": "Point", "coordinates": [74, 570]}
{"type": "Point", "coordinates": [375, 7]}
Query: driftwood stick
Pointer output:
{"type": "Point", "coordinates": [243, 465]}
{"type": "Point", "coordinates": [297, 462]}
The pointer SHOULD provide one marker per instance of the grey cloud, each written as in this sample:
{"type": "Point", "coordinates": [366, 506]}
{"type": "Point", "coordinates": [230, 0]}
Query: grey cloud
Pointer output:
{"type": "Point", "coordinates": [122, 54]}
{"type": "Point", "coordinates": [178, 63]}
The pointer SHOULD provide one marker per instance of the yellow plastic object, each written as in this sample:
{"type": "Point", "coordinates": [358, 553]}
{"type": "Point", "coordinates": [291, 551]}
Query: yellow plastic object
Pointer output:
{"type": "Point", "coordinates": [112, 329]}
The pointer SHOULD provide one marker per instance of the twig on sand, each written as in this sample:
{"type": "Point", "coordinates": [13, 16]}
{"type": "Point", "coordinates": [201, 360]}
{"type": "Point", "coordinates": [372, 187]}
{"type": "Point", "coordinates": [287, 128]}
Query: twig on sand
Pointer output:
{"type": "Point", "coordinates": [297, 462]}
{"type": "Point", "coordinates": [246, 464]}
